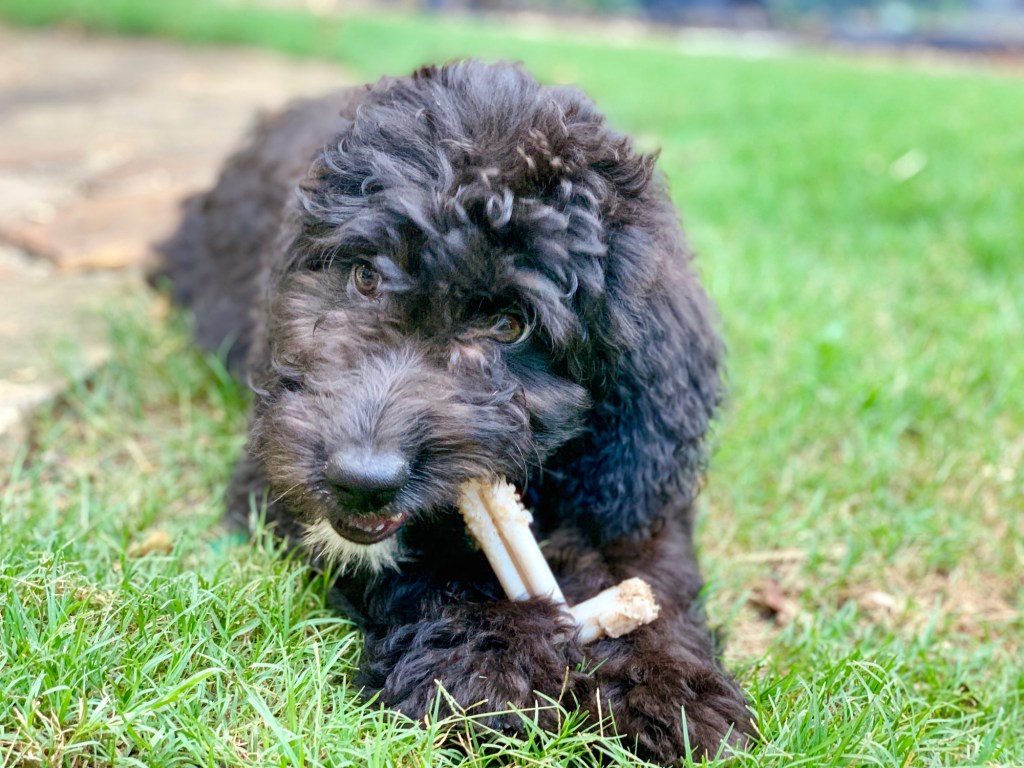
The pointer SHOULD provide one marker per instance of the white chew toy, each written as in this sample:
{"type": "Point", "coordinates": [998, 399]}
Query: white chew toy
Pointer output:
{"type": "Point", "coordinates": [501, 525]}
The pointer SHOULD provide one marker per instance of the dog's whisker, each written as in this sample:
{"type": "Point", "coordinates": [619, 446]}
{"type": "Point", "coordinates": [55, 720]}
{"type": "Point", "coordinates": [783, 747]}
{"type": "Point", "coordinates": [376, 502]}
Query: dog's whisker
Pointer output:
{"type": "Point", "coordinates": [540, 460]}
{"type": "Point", "coordinates": [284, 494]}
{"type": "Point", "coordinates": [522, 463]}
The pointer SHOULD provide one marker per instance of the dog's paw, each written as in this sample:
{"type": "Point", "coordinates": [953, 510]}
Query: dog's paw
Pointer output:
{"type": "Point", "coordinates": [489, 659]}
{"type": "Point", "coordinates": [665, 706]}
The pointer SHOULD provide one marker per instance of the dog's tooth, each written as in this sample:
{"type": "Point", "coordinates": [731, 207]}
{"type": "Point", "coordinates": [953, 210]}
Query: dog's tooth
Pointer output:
{"type": "Point", "coordinates": [379, 527]}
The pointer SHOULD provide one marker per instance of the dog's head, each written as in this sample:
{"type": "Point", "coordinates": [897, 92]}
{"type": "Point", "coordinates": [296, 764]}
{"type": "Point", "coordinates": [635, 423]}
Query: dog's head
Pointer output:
{"type": "Point", "coordinates": [471, 279]}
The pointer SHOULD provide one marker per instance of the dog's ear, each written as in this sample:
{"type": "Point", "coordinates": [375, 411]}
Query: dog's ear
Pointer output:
{"type": "Point", "coordinates": [643, 455]}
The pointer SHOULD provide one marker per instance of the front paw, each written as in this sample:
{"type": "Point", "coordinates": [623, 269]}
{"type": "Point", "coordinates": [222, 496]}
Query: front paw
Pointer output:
{"type": "Point", "coordinates": [488, 658]}
{"type": "Point", "coordinates": [666, 705]}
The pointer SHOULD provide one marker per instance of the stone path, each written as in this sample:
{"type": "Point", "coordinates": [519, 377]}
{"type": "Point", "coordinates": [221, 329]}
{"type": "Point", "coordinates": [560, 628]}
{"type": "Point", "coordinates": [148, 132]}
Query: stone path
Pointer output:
{"type": "Point", "coordinates": [100, 138]}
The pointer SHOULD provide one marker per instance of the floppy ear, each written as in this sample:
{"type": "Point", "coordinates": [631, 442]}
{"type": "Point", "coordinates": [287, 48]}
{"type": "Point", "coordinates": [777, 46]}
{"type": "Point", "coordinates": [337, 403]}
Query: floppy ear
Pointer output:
{"type": "Point", "coordinates": [642, 457]}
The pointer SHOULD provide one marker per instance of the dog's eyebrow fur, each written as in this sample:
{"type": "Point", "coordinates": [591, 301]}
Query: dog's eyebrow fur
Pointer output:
{"type": "Point", "coordinates": [396, 279]}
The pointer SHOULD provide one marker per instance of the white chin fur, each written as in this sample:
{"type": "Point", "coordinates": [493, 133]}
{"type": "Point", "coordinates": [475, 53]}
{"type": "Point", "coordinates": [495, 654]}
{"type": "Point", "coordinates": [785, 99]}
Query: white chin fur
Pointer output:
{"type": "Point", "coordinates": [322, 539]}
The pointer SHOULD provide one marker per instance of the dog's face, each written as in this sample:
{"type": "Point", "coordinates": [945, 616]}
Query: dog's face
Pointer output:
{"type": "Point", "coordinates": [443, 304]}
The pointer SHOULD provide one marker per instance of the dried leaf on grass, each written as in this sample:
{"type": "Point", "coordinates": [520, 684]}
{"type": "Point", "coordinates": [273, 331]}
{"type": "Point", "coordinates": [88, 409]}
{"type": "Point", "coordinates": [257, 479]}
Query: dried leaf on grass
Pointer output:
{"type": "Point", "coordinates": [157, 542]}
{"type": "Point", "coordinates": [771, 601]}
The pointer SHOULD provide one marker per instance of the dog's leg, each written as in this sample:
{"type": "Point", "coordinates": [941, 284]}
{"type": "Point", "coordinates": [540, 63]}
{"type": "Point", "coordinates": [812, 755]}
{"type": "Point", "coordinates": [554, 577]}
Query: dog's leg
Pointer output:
{"type": "Point", "coordinates": [487, 652]}
{"type": "Point", "coordinates": [666, 671]}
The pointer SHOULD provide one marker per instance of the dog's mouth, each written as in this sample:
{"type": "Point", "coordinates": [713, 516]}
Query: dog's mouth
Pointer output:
{"type": "Point", "coordinates": [369, 529]}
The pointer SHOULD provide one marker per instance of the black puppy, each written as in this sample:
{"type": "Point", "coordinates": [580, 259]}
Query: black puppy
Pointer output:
{"type": "Point", "coordinates": [476, 277]}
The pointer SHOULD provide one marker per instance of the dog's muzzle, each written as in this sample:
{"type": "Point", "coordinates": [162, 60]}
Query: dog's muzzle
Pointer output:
{"type": "Point", "coordinates": [365, 483]}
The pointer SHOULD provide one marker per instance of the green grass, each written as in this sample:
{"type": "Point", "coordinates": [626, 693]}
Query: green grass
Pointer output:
{"type": "Point", "coordinates": [861, 227]}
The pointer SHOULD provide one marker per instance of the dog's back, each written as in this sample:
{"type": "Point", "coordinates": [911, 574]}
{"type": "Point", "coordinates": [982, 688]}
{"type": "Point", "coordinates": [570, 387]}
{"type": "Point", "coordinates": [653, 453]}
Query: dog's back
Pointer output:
{"type": "Point", "coordinates": [220, 257]}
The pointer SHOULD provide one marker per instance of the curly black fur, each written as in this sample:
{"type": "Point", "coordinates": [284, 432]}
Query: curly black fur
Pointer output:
{"type": "Point", "coordinates": [469, 191]}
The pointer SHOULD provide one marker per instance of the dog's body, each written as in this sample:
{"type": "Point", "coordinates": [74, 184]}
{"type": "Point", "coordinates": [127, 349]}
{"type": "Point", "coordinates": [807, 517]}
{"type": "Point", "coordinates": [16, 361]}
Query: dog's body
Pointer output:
{"type": "Point", "coordinates": [479, 278]}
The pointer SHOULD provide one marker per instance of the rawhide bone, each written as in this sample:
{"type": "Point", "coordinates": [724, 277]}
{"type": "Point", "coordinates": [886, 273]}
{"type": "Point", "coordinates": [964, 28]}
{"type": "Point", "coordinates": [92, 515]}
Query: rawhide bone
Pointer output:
{"type": "Point", "coordinates": [501, 525]}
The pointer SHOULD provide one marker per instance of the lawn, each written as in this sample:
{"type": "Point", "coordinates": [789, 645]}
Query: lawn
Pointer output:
{"type": "Point", "coordinates": [861, 228]}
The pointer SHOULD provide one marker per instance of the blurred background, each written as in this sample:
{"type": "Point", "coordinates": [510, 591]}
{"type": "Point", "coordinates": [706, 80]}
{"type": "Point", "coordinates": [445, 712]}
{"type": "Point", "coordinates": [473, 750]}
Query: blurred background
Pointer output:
{"type": "Point", "coordinates": [956, 25]}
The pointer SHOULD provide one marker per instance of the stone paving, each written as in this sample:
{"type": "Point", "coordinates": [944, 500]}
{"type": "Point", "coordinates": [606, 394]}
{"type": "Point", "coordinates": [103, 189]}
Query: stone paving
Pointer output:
{"type": "Point", "coordinates": [100, 139]}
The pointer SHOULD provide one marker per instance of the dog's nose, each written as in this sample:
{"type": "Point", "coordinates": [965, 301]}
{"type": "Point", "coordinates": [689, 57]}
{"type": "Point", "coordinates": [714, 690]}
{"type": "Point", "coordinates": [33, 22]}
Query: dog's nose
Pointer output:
{"type": "Point", "coordinates": [366, 480]}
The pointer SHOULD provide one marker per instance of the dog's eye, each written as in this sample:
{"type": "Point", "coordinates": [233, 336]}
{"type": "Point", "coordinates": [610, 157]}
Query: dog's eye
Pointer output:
{"type": "Point", "coordinates": [366, 280]}
{"type": "Point", "coordinates": [507, 328]}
